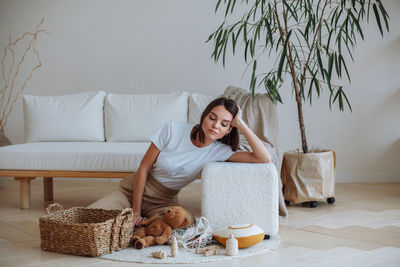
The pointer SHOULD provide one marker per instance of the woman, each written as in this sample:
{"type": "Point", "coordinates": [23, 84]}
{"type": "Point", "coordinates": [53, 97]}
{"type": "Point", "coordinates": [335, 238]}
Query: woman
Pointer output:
{"type": "Point", "coordinates": [178, 153]}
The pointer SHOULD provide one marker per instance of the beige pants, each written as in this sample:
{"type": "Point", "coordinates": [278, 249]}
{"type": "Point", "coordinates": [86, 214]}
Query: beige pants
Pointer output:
{"type": "Point", "coordinates": [157, 199]}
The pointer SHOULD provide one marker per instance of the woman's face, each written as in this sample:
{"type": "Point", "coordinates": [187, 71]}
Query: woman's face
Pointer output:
{"type": "Point", "coordinates": [217, 123]}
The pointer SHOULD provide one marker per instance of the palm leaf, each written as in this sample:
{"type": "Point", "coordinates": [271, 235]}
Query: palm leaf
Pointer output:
{"type": "Point", "coordinates": [283, 55]}
{"type": "Point", "coordinates": [378, 20]}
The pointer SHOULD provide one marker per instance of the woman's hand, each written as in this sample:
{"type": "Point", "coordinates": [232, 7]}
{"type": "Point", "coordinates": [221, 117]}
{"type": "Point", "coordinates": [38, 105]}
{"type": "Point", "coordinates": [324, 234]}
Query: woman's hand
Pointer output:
{"type": "Point", "coordinates": [137, 219]}
{"type": "Point", "coordinates": [238, 121]}
{"type": "Point", "coordinates": [259, 153]}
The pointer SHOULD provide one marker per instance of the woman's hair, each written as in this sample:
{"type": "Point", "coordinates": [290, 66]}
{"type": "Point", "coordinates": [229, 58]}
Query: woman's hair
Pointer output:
{"type": "Point", "coordinates": [232, 138]}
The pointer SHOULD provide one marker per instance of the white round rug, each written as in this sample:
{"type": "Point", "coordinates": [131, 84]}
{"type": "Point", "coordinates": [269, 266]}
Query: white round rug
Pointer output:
{"type": "Point", "coordinates": [131, 254]}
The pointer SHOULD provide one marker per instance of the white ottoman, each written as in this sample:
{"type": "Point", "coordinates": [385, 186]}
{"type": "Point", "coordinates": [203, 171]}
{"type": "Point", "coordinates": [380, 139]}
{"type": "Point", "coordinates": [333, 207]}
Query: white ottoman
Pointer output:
{"type": "Point", "coordinates": [237, 193]}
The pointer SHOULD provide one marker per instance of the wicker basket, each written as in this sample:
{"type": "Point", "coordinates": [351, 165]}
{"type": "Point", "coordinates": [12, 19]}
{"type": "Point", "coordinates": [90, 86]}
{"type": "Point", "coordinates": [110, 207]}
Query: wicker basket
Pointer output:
{"type": "Point", "coordinates": [85, 232]}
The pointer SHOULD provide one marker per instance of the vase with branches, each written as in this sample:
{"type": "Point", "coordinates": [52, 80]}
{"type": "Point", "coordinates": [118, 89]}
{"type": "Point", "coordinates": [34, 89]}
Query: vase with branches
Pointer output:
{"type": "Point", "coordinates": [11, 69]}
{"type": "Point", "coordinates": [309, 41]}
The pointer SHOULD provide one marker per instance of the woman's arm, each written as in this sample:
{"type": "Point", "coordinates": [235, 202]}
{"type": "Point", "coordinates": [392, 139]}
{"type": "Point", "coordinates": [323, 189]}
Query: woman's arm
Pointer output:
{"type": "Point", "coordinates": [141, 176]}
{"type": "Point", "coordinates": [259, 154]}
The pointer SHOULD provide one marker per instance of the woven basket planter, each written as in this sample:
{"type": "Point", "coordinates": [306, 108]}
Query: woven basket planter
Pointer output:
{"type": "Point", "coordinates": [85, 232]}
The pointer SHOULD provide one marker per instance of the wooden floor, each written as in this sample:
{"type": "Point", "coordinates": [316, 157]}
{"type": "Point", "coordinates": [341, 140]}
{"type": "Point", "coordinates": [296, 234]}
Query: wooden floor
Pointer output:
{"type": "Point", "coordinates": [361, 229]}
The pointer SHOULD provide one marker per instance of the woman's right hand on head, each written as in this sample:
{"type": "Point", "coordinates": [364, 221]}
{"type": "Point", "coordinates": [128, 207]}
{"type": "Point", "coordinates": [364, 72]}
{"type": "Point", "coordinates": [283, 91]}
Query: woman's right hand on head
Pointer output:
{"type": "Point", "coordinates": [238, 120]}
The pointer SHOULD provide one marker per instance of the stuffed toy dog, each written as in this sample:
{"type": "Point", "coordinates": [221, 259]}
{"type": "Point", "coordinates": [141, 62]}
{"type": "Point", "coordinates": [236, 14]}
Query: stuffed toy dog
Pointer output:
{"type": "Point", "coordinates": [158, 230]}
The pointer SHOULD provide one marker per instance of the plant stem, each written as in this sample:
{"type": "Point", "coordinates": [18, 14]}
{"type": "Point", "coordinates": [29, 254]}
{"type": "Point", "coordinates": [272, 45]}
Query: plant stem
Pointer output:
{"type": "Point", "coordinates": [294, 80]}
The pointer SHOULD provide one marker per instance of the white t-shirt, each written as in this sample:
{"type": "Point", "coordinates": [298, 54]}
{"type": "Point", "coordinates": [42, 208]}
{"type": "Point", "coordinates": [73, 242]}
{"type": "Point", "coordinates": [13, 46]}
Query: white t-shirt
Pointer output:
{"type": "Point", "coordinates": [180, 161]}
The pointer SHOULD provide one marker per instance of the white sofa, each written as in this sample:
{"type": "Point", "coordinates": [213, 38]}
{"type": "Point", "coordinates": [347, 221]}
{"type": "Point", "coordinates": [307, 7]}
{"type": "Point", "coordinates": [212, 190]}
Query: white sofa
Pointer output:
{"type": "Point", "coordinates": [95, 134]}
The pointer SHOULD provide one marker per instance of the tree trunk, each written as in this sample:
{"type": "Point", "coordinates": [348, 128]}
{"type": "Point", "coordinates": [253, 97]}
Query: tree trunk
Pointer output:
{"type": "Point", "coordinates": [301, 121]}
{"type": "Point", "coordinates": [299, 103]}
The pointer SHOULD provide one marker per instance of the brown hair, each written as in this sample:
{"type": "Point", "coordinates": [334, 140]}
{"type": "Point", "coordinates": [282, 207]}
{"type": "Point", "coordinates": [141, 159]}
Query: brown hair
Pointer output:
{"type": "Point", "coordinates": [232, 138]}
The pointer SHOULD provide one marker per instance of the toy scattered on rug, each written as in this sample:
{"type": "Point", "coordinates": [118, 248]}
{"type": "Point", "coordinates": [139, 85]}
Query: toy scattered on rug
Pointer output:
{"type": "Point", "coordinates": [202, 250]}
{"type": "Point", "coordinates": [231, 249]}
{"type": "Point", "coordinates": [196, 236]}
{"type": "Point", "coordinates": [174, 247]}
{"type": "Point", "coordinates": [210, 250]}
{"type": "Point", "coordinates": [161, 254]}
{"type": "Point", "coordinates": [158, 230]}
{"type": "Point", "coordinates": [232, 246]}
{"type": "Point", "coordinates": [247, 235]}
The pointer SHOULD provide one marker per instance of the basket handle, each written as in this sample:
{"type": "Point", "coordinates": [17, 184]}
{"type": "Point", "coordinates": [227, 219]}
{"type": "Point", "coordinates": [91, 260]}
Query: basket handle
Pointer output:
{"type": "Point", "coordinates": [117, 230]}
{"type": "Point", "coordinates": [49, 207]}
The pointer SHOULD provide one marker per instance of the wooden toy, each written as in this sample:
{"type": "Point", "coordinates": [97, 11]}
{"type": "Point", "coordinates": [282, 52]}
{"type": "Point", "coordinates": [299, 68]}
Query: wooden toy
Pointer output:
{"type": "Point", "coordinates": [174, 247]}
{"type": "Point", "coordinates": [161, 254]}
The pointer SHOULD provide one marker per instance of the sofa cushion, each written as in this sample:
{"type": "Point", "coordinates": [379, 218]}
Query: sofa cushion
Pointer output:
{"type": "Point", "coordinates": [135, 117]}
{"type": "Point", "coordinates": [197, 104]}
{"type": "Point", "coordinates": [73, 156]}
{"type": "Point", "coordinates": [75, 117]}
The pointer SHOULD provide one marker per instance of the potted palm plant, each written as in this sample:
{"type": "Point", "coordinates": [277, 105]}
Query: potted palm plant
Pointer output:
{"type": "Point", "coordinates": [310, 42]}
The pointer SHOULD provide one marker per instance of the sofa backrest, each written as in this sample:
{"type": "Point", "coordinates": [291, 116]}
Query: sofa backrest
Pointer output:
{"type": "Point", "coordinates": [97, 116]}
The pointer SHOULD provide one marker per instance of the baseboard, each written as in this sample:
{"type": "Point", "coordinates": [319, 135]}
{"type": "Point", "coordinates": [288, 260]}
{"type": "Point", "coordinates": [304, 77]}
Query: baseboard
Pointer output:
{"type": "Point", "coordinates": [351, 177]}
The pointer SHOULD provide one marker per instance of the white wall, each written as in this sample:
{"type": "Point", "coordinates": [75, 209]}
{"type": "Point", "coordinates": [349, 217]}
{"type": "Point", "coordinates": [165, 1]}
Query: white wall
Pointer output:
{"type": "Point", "coordinates": [153, 46]}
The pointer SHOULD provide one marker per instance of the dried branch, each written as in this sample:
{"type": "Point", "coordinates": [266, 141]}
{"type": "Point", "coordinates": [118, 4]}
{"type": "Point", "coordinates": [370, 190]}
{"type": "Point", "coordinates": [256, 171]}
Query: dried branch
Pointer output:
{"type": "Point", "coordinates": [7, 92]}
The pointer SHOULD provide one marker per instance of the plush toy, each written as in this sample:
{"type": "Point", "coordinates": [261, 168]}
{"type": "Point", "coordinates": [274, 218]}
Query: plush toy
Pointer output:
{"type": "Point", "coordinates": [157, 230]}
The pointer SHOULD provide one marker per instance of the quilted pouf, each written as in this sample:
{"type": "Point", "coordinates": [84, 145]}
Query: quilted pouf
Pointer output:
{"type": "Point", "coordinates": [241, 193]}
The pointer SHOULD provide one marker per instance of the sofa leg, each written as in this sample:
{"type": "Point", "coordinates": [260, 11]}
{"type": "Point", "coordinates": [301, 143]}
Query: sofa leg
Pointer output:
{"type": "Point", "coordinates": [48, 188]}
{"type": "Point", "coordinates": [25, 192]}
